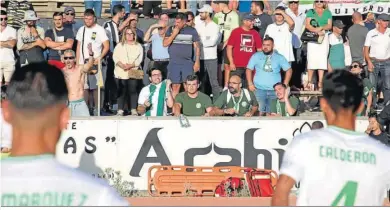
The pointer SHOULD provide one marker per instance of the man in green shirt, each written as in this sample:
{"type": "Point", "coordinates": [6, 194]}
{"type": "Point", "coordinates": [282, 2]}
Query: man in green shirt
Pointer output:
{"type": "Point", "coordinates": [192, 102]}
{"type": "Point", "coordinates": [284, 105]}
{"type": "Point", "coordinates": [236, 101]}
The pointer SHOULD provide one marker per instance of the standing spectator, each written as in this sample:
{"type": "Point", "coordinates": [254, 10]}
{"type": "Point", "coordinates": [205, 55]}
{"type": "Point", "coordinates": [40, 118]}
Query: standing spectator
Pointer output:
{"type": "Point", "coordinates": [243, 43]}
{"type": "Point", "coordinates": [236, 101]}
{"type": "Point", "coordinates": [336, 49]}
{"type": "Point", "coordinates": [70, 22]}
{"type": "Point", "coordinates": [261, 19]}
{"type": "Point", "coordinates": [133, 25]}
{"type": "Point", "coordinates": [154, 5]}
{"type": "Point", "coordinates": [74, 77]}
{"type": "Point", "coordinates": [192, 102]}
{"type": "Point", "coordinates": [376, 130]}
{"type": "Point", "coordinates": [190, 19]}
{"type": "Point", "coordinates": [128, 56]}
{"type": "Point", "coordinates": [209, 33]}
{"type": "Point", "coordinates": [57, 40]}
{"type": "Point", "coordinates": [30, 40]}
{"type": "Point", "coordinates": [357, 34]}
{"type": "Point", "coordinates": [228, 20]}
{"type": "Point", "coordinates": [280, 31]}
{"type": "Point", "coordinates": [160, 54]}
{"type": "Point", "coordinates": [284, 105]}
{"type": "Point", "coordinates": [368, 91]}
{"type": "Point", "coordinates": [267, 65]}
{"type": "Point", "coordinates": [16, 10]}
{"type": "Point", "coordinates": [124, 3]}
{"type": "Point", "coordinates": [318, 20]}
{"type": "Point", "coordinates": [369, 23]}
{"type": "Point", "coordinates": [95, 5]}
{"type": "Point", "coordinates": [182, 41]}
{"type": "Point", "coordinates": [377, 54]}
{"type": "Point", "coordinates": [7, 43]}
{"type": "Point", "coordinates": [95, 34]}
{"type": "Point", "coordinates": [156, 97]}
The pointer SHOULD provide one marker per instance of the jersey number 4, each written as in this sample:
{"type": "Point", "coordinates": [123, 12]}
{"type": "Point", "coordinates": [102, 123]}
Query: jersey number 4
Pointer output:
{"type": "Point", "coordinates": [349, 192]}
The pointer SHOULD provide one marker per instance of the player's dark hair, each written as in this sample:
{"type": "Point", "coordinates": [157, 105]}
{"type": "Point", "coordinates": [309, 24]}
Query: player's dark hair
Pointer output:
{"type": "Point", "coordinates": [55, 14]}
{"type": "Point", "coordinates": [89, 12]}
{"type": "Point", "coordinates": [153, 69]}
{"type": "Point", "coordinates": [268, 38]}
{"type": "Point", "coordinates": [181, 16]}
{"type": "Point", "coordinates": [37, 86]}
{"type": "Point", "coordinates": [192, 78]}
{"type": "Point", "coordinates": [3, 12]}
{"type": "Point", "coordinates": [342, 90]}
{"type": "Point", "coordinates": [317, 125]}
{"type": "Point", "coordinates": [259, 3]}
{"type": "Point", "coordinates": [279, 83]}
{"type": "Point", "coordinates": [117, 9]}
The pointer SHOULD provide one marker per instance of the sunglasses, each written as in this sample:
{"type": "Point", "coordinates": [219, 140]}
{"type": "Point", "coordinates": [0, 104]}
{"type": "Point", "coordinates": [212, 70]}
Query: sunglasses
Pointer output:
{"type": "Point", "coordinates": [3, 19]}
{"type": "Point", "coordinates": [355, 66]}
{"type": "Point", "coordinates": [319, 1]}
{"type": "Point", "coordinates": [69, 14]}
{"type": "Point", "coordinates": [293, 2]}
{"type": "Point", "coordinates": [68, 58]}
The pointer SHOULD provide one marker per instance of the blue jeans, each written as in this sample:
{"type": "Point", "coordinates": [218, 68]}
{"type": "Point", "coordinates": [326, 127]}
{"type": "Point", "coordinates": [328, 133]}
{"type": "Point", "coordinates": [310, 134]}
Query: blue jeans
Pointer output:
{"type": "Point", "coordinates": [264, 98]}
{"type": "Point", "coordinates": [383, 68]}
{"type": "Point", "coordinates": [192, 5]}
{"type": "Point", "coordinates": [124, 3]}
{"type": "Point", "coordinates": [96, 5]}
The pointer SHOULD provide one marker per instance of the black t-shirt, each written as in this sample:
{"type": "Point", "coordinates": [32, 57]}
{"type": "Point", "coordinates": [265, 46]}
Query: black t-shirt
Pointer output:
{"type": "Point", "coordinates": [261, 23]}
{"type": "Point", "coordinates": [62, 36]}
{"type": "Point", "coordinates": [382, 137]}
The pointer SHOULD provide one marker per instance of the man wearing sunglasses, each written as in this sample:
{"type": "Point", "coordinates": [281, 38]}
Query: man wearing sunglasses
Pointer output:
{"type": "Point", "coordinates": [7, 43]}
{"type": "Point", "coordinates": [70, 22]}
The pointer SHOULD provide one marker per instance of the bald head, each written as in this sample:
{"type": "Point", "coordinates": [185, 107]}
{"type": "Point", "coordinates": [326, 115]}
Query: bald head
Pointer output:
{"type": "Point", "coordinates": [357, 17]}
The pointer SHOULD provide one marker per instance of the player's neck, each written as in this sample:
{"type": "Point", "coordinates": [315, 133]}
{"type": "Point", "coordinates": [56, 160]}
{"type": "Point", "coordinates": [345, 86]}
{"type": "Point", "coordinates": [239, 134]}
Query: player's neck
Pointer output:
{"type": "Point", "coordinates": [344, 122]}
{"type": "Point", "coordinates": [35, 145]}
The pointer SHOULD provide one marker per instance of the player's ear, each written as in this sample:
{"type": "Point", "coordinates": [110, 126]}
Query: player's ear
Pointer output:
{"type": "Point", "coordinates": [326, 109]}
{"type": "Point", "coordinates": [64, 118]}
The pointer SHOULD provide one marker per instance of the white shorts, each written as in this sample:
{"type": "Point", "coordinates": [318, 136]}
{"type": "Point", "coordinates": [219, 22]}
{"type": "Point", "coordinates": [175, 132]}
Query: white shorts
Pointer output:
{"type": "Point", "coordinates": [6, 70]}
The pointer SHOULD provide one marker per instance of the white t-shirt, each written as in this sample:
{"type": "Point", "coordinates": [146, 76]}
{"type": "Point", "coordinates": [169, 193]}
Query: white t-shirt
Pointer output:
{"type": "Point", "coordinates": [282, 39]}
{"type": "Point", "coordinates": [6, 133]}
{"type": "Point", "coordinates": [210, 37]}
{"type": "Point", "coordinates": [299, 26]}
{"type": "Point", "coordinates": [144, 95]}
{"type": "Point", "coordinates": [379, 44]}
{"type": "Point", "coordinates": [42, 181]}
{"type": "Point", "coordinates": [95, 35]}
{"type": "Point", "coordinates": [336, 167]}
{"type": "Point", "coordinates": [7, 54]}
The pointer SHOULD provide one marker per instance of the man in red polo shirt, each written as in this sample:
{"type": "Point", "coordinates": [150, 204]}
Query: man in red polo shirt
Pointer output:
{"type": "Point", "coordinates": [242, 44]}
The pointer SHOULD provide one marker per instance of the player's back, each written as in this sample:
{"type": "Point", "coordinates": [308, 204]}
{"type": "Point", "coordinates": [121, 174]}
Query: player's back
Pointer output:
{"type": "Point", "coordinates": [337, 167]}
{"type": "Point", "coordinates": [42, 181]}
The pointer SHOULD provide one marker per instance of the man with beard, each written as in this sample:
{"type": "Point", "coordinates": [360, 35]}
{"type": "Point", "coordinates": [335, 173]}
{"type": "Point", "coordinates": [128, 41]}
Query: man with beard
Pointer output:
{"type": "Point", "coordinates": [209, 34]}
{"type": "Point", "coordinates": [261, 19]}
{"type": "Point", "coordinates": [236, 101]}
{"type": "Point", "coordinates": [74, 77]}
{"type": "Point", "coordinates": [268, 65]}
{"type": "Point", "coordinates": [284, 105]}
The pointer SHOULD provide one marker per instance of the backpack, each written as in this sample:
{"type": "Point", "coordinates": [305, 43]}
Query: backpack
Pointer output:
{"type": "Point", "coordinates": [229, 187]}
{"type": "Point", "coordinates": [246, 93]}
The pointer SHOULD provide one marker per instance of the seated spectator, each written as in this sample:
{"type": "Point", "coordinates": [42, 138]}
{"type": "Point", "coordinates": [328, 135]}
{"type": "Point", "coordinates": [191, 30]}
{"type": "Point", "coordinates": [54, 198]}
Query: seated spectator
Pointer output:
{"type": "Point", "coordinates": [74, 77]}
{"type": "Point", "coordinates": [368, 91]}
{"type": "Point", "coordinates": [285, 105]}
{"type": "Point", "coordinates": [236, 101]}
{"type": "Point", "coordinates": [30, 40]}
{"type": "Point", "coordinates": [336, 49]}
{"type": "Point", "coordinates": [316, 125]}
{"type": "Point", "coordinates": [192, 102]}
{"type": "Point", "coordinates": [7, 43]}
{"type": "Point", "coordinates": [376, 130]}
{"type": "Point", "coordinates": [268, 65]}
{"type": "Point", "coordinates": [154, 98]}
{"type": "Point", "coordinates": [57, 40]}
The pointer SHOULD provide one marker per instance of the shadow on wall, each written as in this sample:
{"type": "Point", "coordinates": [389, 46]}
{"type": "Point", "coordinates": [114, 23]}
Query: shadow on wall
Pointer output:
{"type": "Point", "coordinates": [88, 165]}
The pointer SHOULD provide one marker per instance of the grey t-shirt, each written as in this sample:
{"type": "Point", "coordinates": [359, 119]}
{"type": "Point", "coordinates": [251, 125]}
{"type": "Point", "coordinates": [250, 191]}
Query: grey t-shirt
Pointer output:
{"type": "Point", "coordinates": [357, 36]}
{"type": "Point", "coordinates": [261, 23]}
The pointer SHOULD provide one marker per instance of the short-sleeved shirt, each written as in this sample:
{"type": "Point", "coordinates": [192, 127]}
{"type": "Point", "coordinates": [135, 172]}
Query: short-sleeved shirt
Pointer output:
{"type": "Point", "coordinates": [280, 108]}
{"type": "Point", "coordinates": [96, 35]}
{"type": "Point", "coordinates": [323, 20]}
{"type": "Point", "coordinates": [113, 33]}
{"type": "Point", "coordinates": [181, 51]}
{"type": "Point", "coordinates": [336, 52]}
{"type": "Point", "coordinates": [7, 54]}
{"type": "Point", "coordinates": [267, 69]}
{"type": "Point", "coordinates": [227, 22]}
{"type": "Point", "coordinates": [261, 22]}
{"type": "Point", "coordinates": [244, 105]}
{"type": "Point", "coordinates": [62, 36]}
{"type": "Point", "coordinates": [282, 39]}
{"type": "Point", "coordinates": [245, 44]}
{"type": "Point", "coordinates": [193, 106]}
{"type": "Point", "coordinates": [357, 36]}
{"type": "Point", "coordinates": [158, 49]}
{"type": "Point", "coordinates": [379, 44]}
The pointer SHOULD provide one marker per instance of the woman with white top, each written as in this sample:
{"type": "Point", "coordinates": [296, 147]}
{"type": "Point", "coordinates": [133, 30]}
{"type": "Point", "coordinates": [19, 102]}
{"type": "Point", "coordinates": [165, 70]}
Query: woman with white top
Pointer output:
{"type": "Point", "coordinates": [127, 57]}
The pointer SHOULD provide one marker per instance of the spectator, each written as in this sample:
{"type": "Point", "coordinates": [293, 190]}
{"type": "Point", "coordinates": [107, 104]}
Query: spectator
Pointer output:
{"type": "Point", "coordinates": [228, 20]}
{"type": "Point", "coordinates": [368, 91]}
{"type": "Point", "coordinates": [95, 5]}
{"type": "Point", "coordinates": [316, 125]}
{"type": "Point", "coordinates": [357, 35]}
{"type": "Point", "coordinates": [57, 40]}
{"type": "Point", "coordinates": [243, 43]}
{"type": "Point", "coordinates": [261, 19]}
{"type": "Point", "coordinates": [267, 65]}
{"type": "Point", "coordinates": [30, 40]}
{"type": "Point", "coordinates": [377, 54]}
{"type": "Point", "coordinates": [284, 105]}
{"type": "Point", "coordinates": [124, 3]}
{"type": "Point", "coordinates": [7, 43]}
{"type": "Point", "coordinates": [236, 101]}
{"type": "Point", "coordinates": [16, 10]}
{"type": "Point", "coordinates": [190, 19]}
{"type": "Point", "coordinates": [70, 22]}
{"type": "Point", "coordinates": [280, 31]}
{"type": "Point", "coordinates": [95, 34]}
{"type": "Point", "coordinates": [209, 34]}
{"type": "Point", "coordinates": [182, 41]}
{"type": "Point", "coordinates": [5, 128]}
{"type": "Point", "coordinates": [152, 5]}
{"type": "Point", "coordinates": [192, 102]}
{"type": "Point", "coordinates": [336, 49]}
{"type": "Point", "coordinates": [376, 130]}
{"type": "Point", "coordinates": [318, 20]}
{"type": "Point", "coordinates": [74, 77]}
{"type": "Point", "coordinates": [133, 25]}
{"type": "Point", "coordinates": [127, 58]}
{"type": "Point", "coordinates": [369, 23]}
{"type": "Point", "coordinates": [156, 97]}
{"type": "Point", "coordinates": [160, 54]}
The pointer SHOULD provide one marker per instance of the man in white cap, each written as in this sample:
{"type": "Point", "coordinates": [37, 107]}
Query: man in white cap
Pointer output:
{"type": "Point", "coordinates": [30, 40]}
{"type": "Point", "coordinates": [210, 37]}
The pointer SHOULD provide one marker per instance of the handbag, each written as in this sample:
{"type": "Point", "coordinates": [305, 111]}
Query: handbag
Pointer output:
{"type": "Point", "coordinates": [134, 73]}
{"type": "Point", "coordinates": [308, 36]}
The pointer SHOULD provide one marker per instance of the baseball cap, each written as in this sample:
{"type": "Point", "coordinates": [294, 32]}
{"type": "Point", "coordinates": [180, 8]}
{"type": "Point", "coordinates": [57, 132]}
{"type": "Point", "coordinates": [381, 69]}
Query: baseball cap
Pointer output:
{"type": "Point", "coordinates": [338, 24]}
{"type": "Point", "coordinates": [248, 17]}
{"type": "Point", "coordinates": [206, 8]}
{"type": "Point", "coordinates": [384, 17]}
{"type": "Point", "coordinates": [69, 8]}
